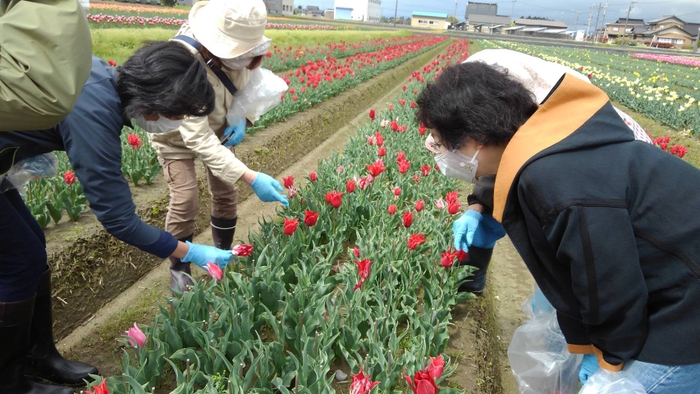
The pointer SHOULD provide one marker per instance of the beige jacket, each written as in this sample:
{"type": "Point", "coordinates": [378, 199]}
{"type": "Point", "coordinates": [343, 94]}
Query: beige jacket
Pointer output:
{"type": "Point", "coordinates": [201, 136]}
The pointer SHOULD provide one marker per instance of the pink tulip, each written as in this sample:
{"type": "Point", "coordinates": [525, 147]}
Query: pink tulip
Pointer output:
{"type": "Point", "coordinates": [136, 337]}
{"type": "Point", "coordinates": [215, 271]}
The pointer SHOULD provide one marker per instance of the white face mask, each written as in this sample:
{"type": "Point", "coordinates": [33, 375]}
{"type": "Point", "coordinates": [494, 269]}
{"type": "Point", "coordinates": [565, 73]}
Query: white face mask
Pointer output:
{"type": "Point", "coordinates": [456, 165]}
{"type": "Point", "coordinates": [162, 125]}
{"type": "Point", "coordinates": [236, 63]}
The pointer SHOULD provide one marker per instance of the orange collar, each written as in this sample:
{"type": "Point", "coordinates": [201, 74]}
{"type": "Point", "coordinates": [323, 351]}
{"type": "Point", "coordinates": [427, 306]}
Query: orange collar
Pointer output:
{"type": "Point", "coordinates": [571, 105]}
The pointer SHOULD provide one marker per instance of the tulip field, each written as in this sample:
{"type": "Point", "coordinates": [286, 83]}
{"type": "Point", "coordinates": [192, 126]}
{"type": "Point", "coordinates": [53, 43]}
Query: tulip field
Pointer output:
{"type": "Point", "coordinates": [664, 88]}
{"type": "Point", "coordinates": [319, 77]}
{"type": "Point", "coordinates": [357, 272]}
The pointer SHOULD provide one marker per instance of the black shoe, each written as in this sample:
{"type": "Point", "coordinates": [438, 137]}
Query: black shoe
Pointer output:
{"type": "Point", "coordinates": [480, 259]}
{"type": "Point", "coordinates": [222, 230]}
{"type": "Point", "coordinates": [15, 325]}
{"type": "Point", "coordinates": [44, 362]}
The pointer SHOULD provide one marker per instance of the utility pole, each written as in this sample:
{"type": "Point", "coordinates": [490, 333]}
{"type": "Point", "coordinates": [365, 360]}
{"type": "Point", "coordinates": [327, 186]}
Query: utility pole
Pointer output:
{"type": "Point", "coordinates": [590, 17]}
{"type": "Point", "coordinates": [512, 10]}
{"type": "Point", "coordinates": [396, 12]}
{"type": "Point", "coordinates": [596, 21]}
{"type": "Point", "coordinates": [695, 45]}
{"type": "Point", "coordinates": [624, 31]}
{"type": "Point", "coordinates": [605, 10]}
{"type": "Point", "coordinates": [577, 14]}
{"type": "Point", "coordinates": [456, 11]}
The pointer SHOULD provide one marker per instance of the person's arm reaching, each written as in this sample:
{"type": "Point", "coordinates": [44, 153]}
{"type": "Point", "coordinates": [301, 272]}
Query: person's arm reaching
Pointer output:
{"type": "Point", "coordinates": [45, 52]}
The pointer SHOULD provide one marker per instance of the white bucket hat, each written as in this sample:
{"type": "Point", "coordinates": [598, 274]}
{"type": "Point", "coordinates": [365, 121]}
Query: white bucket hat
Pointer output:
{"type": "Point", "coordinates": [231, 28]}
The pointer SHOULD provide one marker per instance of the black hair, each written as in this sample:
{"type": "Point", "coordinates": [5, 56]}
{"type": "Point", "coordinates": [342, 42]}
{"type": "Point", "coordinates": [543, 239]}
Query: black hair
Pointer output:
{"type": "Point", "coordinates": [475, 100]}
{"type": "Point", "coordinates": [163, 77]}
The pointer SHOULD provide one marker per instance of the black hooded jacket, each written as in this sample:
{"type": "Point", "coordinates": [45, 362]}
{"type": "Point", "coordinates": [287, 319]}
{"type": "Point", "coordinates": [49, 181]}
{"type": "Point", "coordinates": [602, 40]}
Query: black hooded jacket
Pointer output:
{"type": "Point", "coordinates": [608, 226]}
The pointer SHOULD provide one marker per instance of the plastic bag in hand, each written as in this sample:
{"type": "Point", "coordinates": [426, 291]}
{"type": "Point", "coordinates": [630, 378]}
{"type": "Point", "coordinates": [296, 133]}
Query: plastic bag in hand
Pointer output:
{"type": "Point", "coordinates": [41, 166]}
{"type": "Point", "coordinates": [538, 355]}
{"type": "Point", "coordinates": [262, 93]}
{"type": "Point", "coordinates": [606, 382]}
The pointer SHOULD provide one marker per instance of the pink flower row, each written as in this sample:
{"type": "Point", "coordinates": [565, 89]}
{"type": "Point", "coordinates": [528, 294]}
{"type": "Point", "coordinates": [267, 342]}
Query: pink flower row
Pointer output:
{"type": "Point", "coordinates": [156, 20]}
{"type": "Point", "coordinates": [685, 61]}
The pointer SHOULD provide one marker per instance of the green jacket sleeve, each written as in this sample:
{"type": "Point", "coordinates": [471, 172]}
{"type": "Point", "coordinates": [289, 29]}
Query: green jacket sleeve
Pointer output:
{"type": "Point", "coordinates": [45, 58]}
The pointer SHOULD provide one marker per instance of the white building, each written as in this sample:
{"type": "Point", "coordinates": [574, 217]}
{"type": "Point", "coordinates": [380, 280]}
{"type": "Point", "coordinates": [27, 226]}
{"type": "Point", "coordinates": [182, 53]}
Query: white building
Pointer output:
{"type": "Point", "coordinates": [287, 7]}
{"type": "Point", "coordinates": [358, 10]}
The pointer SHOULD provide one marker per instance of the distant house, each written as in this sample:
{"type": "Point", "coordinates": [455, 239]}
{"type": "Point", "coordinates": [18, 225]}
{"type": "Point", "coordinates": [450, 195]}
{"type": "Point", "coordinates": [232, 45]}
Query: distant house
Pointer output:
{"type": "Point", "coordinates": [313, 10]}
{"type": "Point", "coordinates": [538, 28]}
{"type": "Point", "coordinates": [429, 20]}
{"type": "Point", "coordinates": [625, 27]}
{"type": "Point", "coordinates": [669, 30]}
{"type": "Point", "coordinates": [360, 10]}
{"type": "Point", "coordinates": [487, 23]}
{"type": "Point", "coordinates": [279, 7]}
{"type": "Point", "coordinates": [474, 8]}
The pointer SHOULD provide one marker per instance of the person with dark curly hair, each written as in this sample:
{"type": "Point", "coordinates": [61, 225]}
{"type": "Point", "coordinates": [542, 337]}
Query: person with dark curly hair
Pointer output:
{"type": "Point", "coordinates": [158, 86]}
{"type": "Point", "coordinates": [604, 222]}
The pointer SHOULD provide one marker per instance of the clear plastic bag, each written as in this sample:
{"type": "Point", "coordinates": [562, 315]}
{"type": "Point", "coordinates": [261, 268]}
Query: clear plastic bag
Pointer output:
{"type": "Point", "coordinates": [538, 354]}
{"type": "Point", "coordinates": [262, 93]}
{"type": "Point", "coordinates": [605, 382]}
{"type": "Point", "coordinates": [41, 166]}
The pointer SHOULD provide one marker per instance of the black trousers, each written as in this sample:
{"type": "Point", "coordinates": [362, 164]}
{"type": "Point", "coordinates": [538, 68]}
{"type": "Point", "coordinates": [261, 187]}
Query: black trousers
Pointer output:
{"type": "Point", "coordinates": [22, 249]}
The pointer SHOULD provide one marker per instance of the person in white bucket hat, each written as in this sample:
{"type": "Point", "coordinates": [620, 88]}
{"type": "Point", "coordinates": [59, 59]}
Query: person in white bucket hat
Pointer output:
{"type": "Point", "coordinates": [227, 35]}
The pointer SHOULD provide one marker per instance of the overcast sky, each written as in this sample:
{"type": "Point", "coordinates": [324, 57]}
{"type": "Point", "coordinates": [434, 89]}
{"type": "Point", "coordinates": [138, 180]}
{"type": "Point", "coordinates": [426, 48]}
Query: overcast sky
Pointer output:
{"type": "Point", "coordinates": [687, 10]}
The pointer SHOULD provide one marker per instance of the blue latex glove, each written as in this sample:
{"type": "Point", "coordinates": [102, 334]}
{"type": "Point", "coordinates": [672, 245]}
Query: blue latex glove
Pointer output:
{"type": "Point", "coordinates": [267, 189]}
{"type": "Point", "coordinates": [488, 232]}
{"type": "Point", "coordinates": [201, 255]}
{"type": "Point", "coordinates": [233, 135]}
{"type": "Point", "coordinates": [464, 228]}
{"type": "Point", "coordinates": [589, 366]}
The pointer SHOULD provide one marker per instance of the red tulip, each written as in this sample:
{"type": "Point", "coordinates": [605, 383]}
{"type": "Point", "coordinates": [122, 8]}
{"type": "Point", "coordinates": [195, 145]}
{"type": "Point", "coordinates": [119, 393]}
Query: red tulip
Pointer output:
{"type": "Point", "coordinates": [404, 88]}
{"type": "Point", "coordinates": [422, 383]}
{"type": "Point", "coordinates": [362, 271]}
{"type": "Point", "coordinates": [288, 181]}
{"type": "Point", "coordinates": [414, 240]}
{"type": "Point", "coordinates": [242, 250]}
{"type": "Point", "coordinates": [419, 205]}
{"type": "Point", "coordinates": [397, 191]}
{"type": "Point", "coordinates": [310, 218]}
{"type": "Point", "coordinates": [356, 252]}
{"type": "Point", "coordinates": [391, 209]}
{"type": "Point", "coordinates": [401, 156]}
{"type": "Point", "coordinates": [334, 198]}
{"type": "Point", "coordinates": [436, 367]}
{"type": "Point", "coordinates": [402, 101]}
{"type": "Point", "coordinates": [422, 130]}
{"type": "Point", "coordinates": [134, 141]}
{"type": "Point", "coordinates": [407, 219]}
{"type": "Point", "coordinates": [376, 168]}
{"type": "Point", "coordinates": [413, 105]}
{"type": "Point", "coordinates": [404, 166]}
{"type": "Point", "coordinates": [295, 98]}
{"type": "Point", "coordinates": [215, 271]}
{"type": "Point", "coordinates": [425, 170]}
{"type": "Point", "coordinates": [451, 197]}
{"type": "Point", "coordinates": [101, 389]}
{"type": "Point", "coordinates": [290, 226]}
{"type": "Point", "coordinates": [362, 384]}
{"type": "Point", "coordinates": [381, 151]}
{"type": "Point", "coordinates": [372, 114]}
{"type": "Point", "coordinates": [453, 208]}
{"type": "Point", "coordinates": [313, 176]}
{"type": "Point", "coordinates": [350, 185]}
{"type": "Point", "coordinates": [136, 337]}
{"type": "Point", "coordinates": [378, 138]}
{"type": "Point", "coordinates": [462, 255]}
{"type": "Point", "coordinates": [448, 258]}
{"type": "Point", "coordinates": [391, 107]}
{"type": "Point", "coordinates": [394, 125]}
{"type": "Point", "coordinates": [69, 177]}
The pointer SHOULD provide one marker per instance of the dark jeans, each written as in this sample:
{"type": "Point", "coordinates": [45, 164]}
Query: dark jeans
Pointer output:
{"type": "Point", "coordinates": [22, 249]}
